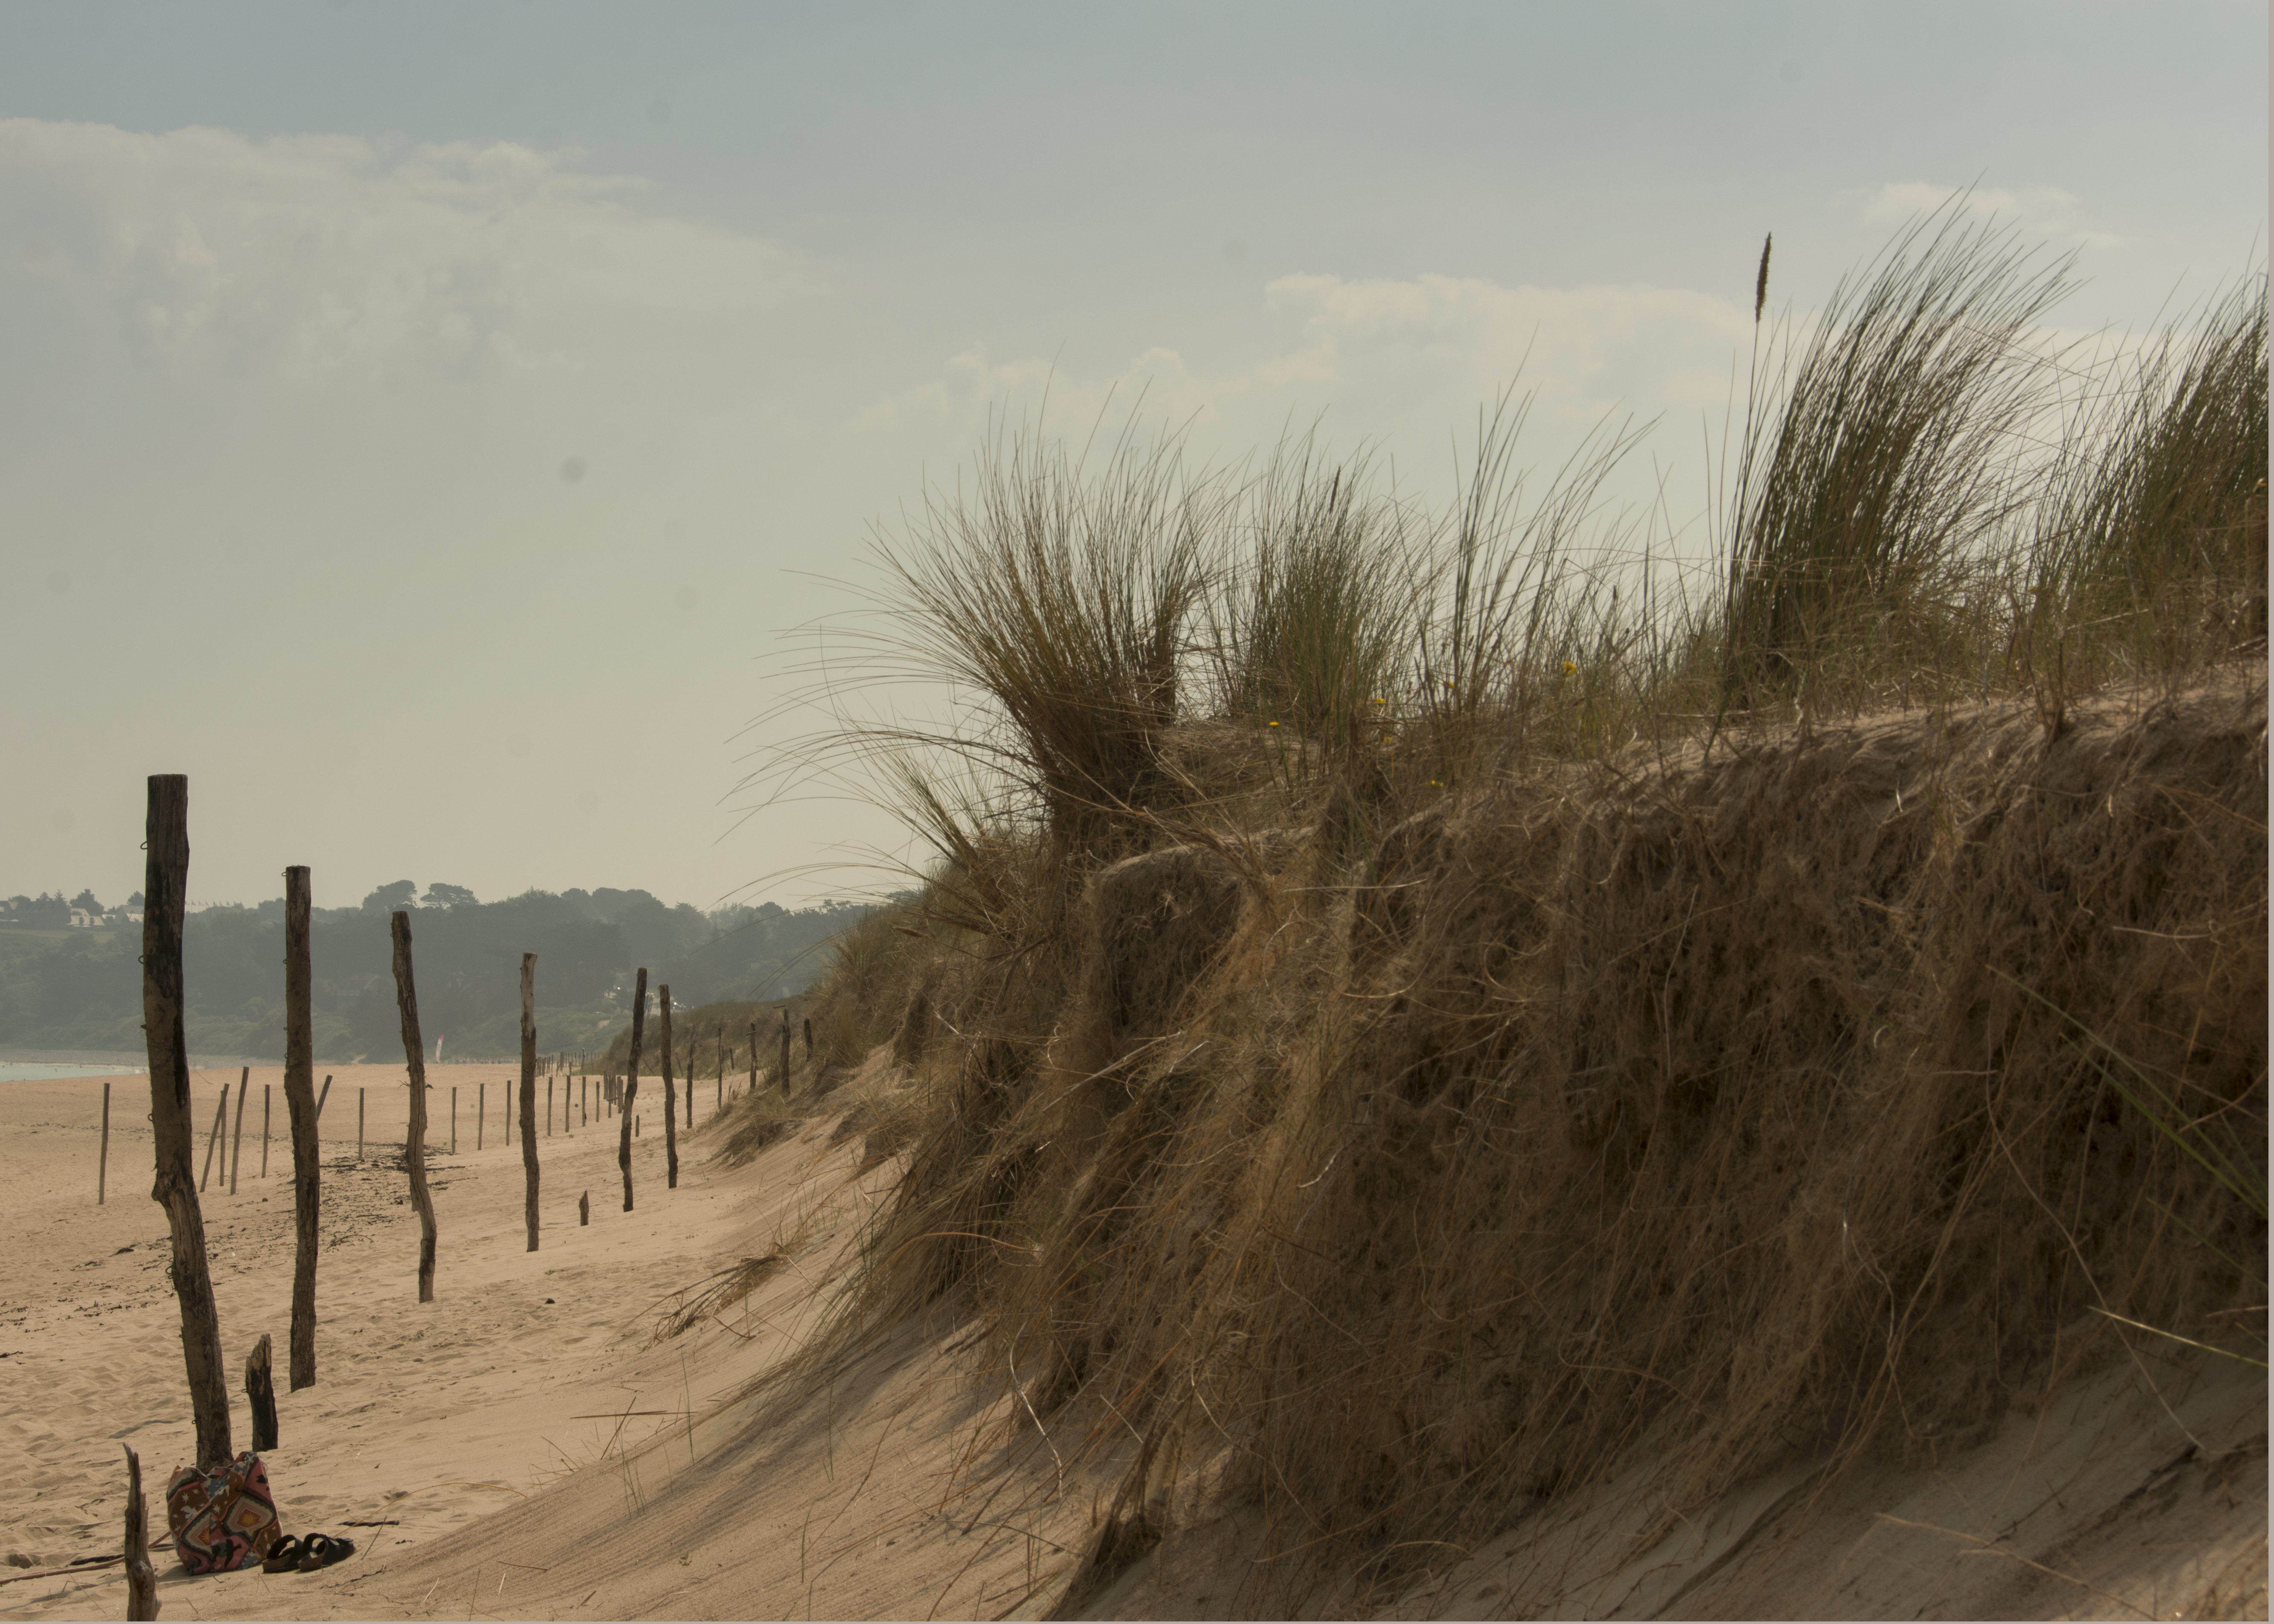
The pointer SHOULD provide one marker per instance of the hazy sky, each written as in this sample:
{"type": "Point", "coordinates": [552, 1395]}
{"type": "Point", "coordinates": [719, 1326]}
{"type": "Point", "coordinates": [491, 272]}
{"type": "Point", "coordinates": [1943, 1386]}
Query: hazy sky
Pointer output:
{"type": "Point", "coordinates": [420, 420]}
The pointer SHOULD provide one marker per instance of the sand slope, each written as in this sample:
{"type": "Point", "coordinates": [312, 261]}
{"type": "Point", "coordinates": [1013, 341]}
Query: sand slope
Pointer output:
{"type": "Point", "coordinates": [501, 1429]}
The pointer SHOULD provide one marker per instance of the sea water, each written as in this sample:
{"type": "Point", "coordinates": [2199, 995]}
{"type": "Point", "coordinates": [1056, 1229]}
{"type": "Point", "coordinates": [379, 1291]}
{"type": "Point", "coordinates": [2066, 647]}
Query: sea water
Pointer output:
{"type": "Point", "coordinates": [25, 1070]}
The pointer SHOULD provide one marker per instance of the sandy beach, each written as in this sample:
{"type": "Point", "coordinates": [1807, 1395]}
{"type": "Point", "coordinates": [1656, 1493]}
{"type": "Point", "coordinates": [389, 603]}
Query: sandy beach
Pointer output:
{"type": "Point", "coordinates": [534, 1444]}
{"type": "Point", "coordinates": [423, 1419]}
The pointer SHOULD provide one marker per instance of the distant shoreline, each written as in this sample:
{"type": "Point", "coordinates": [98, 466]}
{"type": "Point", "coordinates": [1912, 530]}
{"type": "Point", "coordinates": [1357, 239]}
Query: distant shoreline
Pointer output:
{"type": "Point", "coordinates": [126, 1060]}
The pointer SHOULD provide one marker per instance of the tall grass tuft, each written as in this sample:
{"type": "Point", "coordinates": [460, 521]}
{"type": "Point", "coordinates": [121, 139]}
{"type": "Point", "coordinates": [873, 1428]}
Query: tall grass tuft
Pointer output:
{"type": "Point", "coordinates": [1880, 456]}
{"type": "Point", "coordinates": [1313, 620]}
{"type": "Point", "coordinates": [1065, 599]}
{"type": "Point", "coordinates": [2152, 538]}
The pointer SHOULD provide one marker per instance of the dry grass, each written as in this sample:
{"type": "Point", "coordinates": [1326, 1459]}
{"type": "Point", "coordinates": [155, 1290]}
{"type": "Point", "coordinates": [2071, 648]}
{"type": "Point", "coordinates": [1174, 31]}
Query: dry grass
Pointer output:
{"type": "Point", "coordinates": [1789, 1022]}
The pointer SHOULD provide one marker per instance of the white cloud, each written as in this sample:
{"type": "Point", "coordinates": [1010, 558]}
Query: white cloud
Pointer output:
{"type": "Point", "coordinates": [2042, 211]}
{"type": "Point", "coordinates": [1404, 362]}
{"type": "Point", "coordinates": [308, 254]}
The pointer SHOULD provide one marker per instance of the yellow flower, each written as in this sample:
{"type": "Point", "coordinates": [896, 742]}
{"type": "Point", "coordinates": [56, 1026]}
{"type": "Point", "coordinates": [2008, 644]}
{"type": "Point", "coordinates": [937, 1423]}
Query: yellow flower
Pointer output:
{"type": "Point", "coordinates": [1571, 669]}
{"type": "Point", "coordinates": [1272, 723]}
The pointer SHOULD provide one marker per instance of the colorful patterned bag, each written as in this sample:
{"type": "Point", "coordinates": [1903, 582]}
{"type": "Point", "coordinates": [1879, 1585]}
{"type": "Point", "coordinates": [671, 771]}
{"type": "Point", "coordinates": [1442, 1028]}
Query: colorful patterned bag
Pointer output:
{"type": "Point", "coordinates": [222, 1520]}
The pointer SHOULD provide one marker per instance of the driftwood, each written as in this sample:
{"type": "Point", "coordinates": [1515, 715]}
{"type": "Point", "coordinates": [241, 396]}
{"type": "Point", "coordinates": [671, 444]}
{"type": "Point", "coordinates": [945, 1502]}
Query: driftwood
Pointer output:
{"type": "Point", "coordinates": [529, 1094]}
{"type": "Point", "coordinates": [624, 1129]}
{"type": "Point", "coordinates": [260, 1393]}
{"type": "Point", "coordinates": [141, 1583]}
{"type": "Point", "coordinates": [414, 1144]}
{"type": "Point", "coordinates": [670, 1131]}
{"type": "Point", "coordinates": [166, 872]}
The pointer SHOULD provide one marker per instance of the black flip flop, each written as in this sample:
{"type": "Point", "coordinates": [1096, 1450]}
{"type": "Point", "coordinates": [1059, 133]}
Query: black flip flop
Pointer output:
{"type": "Point", "coordinates": [322, 1550]}
{"type": "Point", "coordinates": [284, 1556]}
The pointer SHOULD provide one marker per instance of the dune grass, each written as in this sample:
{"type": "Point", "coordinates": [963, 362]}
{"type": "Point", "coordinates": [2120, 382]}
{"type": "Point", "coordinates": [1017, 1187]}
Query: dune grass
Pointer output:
{"type": "Point", "coordinates": [1410, 1006]}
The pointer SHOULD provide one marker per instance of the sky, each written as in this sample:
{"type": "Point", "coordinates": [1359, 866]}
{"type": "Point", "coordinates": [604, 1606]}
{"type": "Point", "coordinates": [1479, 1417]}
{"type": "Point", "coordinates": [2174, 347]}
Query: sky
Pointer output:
{"type": "Point", "coordinates": [428, 426]}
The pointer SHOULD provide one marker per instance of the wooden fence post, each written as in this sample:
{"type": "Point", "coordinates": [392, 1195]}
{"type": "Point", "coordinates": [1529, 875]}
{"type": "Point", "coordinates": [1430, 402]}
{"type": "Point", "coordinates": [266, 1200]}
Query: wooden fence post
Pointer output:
{"type": "Point", "coordinates": [260, 1393]}
{"type": "Point", "coordinates": [141, 1581]}
{"type": "Point", "coordinates": [221, 1121]}
{"type": "Point", "coordinates": [305, 1108]}
{"type": "Point", "coordinates": [584, 1208]}
{"type": "Point", "coordinates": [165, 884]}
{"type": "Point", "coordinates": [529, 1092]}
{"type": "Point", "coordinates": [358, 1123]}
{"type": "Point", "coordinates": [624, 1125]}
{"type": "Point", "coordinates": [406, 998]}
{"type": "Point", "coordinates": [102, 1163]}
{"type": "Point", "coordinates": [481, 1111]}
{"type": "Point", "coordinates": [237, 1147]}
{"type": "Point", "coordinates": [754, 1057]}
{"type": "Point", "coordinates": [670, 1131]}
{"type": "Point", "coordinates": [785, 1054]}
{"type": "Point", "coordinates": [266, 1105]}
{"type": "Point", "coordinates": [454, 1119]}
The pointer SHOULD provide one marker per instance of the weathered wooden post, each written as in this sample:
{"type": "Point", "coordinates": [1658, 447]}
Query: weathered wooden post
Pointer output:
{"type": "Point", "coordinates": [212, 1138]}
{"type": "Point", "coordinates": [529, 1092]}
{"type": "Point", "coordinates": [808, 1039]}
{"type": "Point", "coordinates": [414, 1145]}
{"type": "Point", "coordinates": [102, 1161]}
{"type": "Point", "coordinates": [548, 1107]}
{"type": "Point", "coordinates": [358, 1123]}
{"type": "Point", "coordinates": [306, 1108]}
{"type": "Point", "coordinates": [454, 1119]}
{"type": "Point", "coordinates": [670, 1132]}
{"type": "Point", "coordinates": [720, 1104]}
{"type": "Point", "coordinates": [481, 1111]}
{"type": "Point", "coordinates": [754, 1057]}
{"type": "Point", "coordinates": [266, 1105]}
{"type": "Point", "coordinates": [165, 883]}
{"type": "Point", "coordinates": [260, 1393]}
{"type": "Point", "coordinates": [236, 1143]}
{"type": "Point", "coordinates": [785, 1054]}
{"type": "Point", "coordinates": [584, 1208]}
{"type": "Point", "coordinates": [141, 1581]}
{"type": "Point", "coordinates": [624, 1127]}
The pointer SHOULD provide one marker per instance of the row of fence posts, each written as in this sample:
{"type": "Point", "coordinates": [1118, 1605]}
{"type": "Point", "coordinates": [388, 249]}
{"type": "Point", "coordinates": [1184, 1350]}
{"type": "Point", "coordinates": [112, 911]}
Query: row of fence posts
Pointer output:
{"type": "Point", "coordinates": [166, 877]}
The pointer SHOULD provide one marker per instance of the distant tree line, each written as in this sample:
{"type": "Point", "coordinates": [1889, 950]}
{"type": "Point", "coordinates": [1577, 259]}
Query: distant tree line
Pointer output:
{"type": "Point", "coordinates": [85, 992]}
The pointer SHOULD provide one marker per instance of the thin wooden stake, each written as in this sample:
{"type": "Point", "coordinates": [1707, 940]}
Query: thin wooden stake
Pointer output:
{"type": "Point", "coordinates": [260, 1393]}
{"type": "Point", "coordinates": [414, 1147]}
{"type": "Point", "coordinates": [236, 1143]}
{"type": "Point", "coordinates": [221, 1121]}
{"type": "Point", "coordinates": [670, 1130]}
{"type": "Point", "coordinates": [454, 1119]}
{"type": "Point", "coordinates": [141, 1581]}
{"type": "Point", "coordinates": [481, 1111]}
{"type": "Point", "coordinates": [166, 872]}
{"type": "Point", "coordinates": [266, 1105]}
{"type": "Point", "coordinates": [103, 1163]}
{"type": "Point", "coordinates": [584, 1208]}
{"type": "Point", "coordinates": [359, 1124]}
{"type": "Point", "coordinates": [625, 1128]}
{"type": "Point", "coordinates": [529, 1092]}
{"type": "Point", "coordinates": [754, 1057]}
{"type": "Point", "coordinates": [305, 1108]}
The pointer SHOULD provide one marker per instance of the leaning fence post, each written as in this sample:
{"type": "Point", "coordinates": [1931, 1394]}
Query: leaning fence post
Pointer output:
{"type": "Point", "coordinates": [305, 1108]}
{"type": "Point", "coordinates": [414, 1145]}
{"type": "Point", "coordinates": [529, 1092]}
{"type": "Point", "coordinates": [237, 1145]}
{"type": "Point", "coordinates": [631, 1092]}
{"type": "Point", "coordinates": [221, 1119]}
{"type": "Point", "coordinates": [670, 1131]}
{"type": "Point", "coordinates": [166, 879]}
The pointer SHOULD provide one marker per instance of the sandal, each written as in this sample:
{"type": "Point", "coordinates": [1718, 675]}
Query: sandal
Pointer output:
{"type": "Point", "coordinates": [322, 1550]}
{"type": "Point", "coordinates": [284, 1556]}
